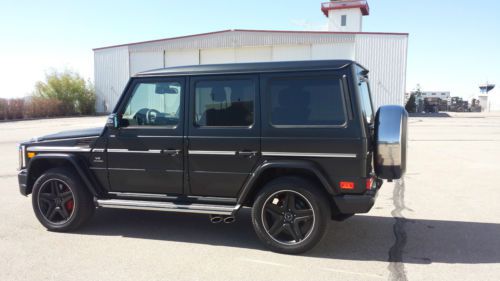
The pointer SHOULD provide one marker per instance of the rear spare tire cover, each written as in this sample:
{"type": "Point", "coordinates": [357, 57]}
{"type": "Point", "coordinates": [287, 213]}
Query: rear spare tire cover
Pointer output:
{"type": "Point", "coordinates": [391, 124]}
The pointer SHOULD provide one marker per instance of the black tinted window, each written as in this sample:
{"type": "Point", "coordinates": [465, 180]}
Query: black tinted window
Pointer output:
{"type": "Point", "coordinates": [307, 101]}
{"type": "Point", "coordinates": [366, 101]}
{"type": "Point", "coordinates": [224, 102]}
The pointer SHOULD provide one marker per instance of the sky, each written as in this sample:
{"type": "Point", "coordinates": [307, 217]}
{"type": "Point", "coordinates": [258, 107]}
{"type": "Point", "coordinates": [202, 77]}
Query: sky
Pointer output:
{"type": "Point", "coordinates": [453, 45]}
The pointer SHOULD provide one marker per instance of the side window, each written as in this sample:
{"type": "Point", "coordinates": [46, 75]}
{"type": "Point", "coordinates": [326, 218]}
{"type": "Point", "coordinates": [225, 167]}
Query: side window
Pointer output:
{"type": "Point", "coordinates": [366, 102]}
{"type": "Point", "coordinates": [224, 103]}
{"type": "Point", "coordinates": [343, 20]}
{"type": "Point", "coordinates": [153, 104]}
{"type": "Point", "coordinates": [306, 101]}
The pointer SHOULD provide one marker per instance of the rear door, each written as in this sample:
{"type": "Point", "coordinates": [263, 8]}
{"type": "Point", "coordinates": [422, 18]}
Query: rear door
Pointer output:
{"type": "Point", "coordinates": [223, 134]}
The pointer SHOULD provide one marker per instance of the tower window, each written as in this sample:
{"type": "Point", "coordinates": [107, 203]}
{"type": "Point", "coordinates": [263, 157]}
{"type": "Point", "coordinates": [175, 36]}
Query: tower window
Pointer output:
{"type": "Point", "coordinates": [343, 20]}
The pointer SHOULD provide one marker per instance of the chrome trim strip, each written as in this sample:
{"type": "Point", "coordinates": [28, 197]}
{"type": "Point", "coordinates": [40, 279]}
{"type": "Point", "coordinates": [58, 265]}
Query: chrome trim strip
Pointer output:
{"type": "Point", "coordinates": [154, 151]}
{"type": "Point", "coordinates": [217, 172]}
{"type": "Point", "coordinates": [145, 195]}
{"type": "Point", "coordinates": [36, 139]}
{"type": "Point", "coordinates": [22, 157]}
{"type": "Point", "coordinates": [172, 197]}
{"type": "Point", "coordinates": [167, 206]}
{"type": "Point", "coordinates": [145, 136]}
{"type": "Point", "coordinates": [127, 169]}
{"type": "Point", "coordinates": [211, 152]}
{"type": "Point", "coordinates": [98, 150]}
{"type": "Point", "coordinates": [308, 154]}
{"type": "Point", "coordinates": [58, 148]}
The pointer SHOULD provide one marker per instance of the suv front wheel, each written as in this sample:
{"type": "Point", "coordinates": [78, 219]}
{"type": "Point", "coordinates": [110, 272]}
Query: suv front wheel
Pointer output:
{"type": "Point", "coordinates": [60, 201]}
{"type": "Point", "coordinates": [290, 215]}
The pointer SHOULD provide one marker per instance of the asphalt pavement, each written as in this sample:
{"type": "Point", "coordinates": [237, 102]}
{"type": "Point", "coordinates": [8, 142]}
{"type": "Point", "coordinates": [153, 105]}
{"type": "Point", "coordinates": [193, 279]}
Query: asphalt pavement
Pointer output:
{"type": "Point", "coordinates": [440, 223]}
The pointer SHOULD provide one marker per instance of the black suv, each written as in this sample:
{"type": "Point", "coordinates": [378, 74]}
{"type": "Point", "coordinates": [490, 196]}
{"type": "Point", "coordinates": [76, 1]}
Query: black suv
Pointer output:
{"type": "Point", "coordinates": [297, 142]}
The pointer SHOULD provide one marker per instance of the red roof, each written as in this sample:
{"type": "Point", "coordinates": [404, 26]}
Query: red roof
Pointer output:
{"type": "Point", "coordinates": [250, 30]}
{"type": "Point", "coordinates": [346, 4]}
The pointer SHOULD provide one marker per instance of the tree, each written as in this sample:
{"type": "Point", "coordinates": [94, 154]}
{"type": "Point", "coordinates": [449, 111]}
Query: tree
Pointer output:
{"type": "Point", "coordinates": [76, 95]}
{"type": "Point", "coordinates": [411, 105]}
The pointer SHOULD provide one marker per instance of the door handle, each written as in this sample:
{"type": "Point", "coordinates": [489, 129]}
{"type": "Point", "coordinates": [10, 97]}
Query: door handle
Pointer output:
{"type": "Point", "coordinates": [171, 152]}
{"type": "Point", "coordinates": [246, 153]}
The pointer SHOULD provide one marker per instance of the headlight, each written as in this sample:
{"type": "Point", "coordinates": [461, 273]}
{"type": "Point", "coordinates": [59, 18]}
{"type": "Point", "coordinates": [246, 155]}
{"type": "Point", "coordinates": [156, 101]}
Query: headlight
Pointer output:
{"type": "Point", "coordinates": [22, 157]}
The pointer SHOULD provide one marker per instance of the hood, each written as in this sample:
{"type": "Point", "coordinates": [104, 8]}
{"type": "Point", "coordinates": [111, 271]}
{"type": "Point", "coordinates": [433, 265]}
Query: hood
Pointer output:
{"type": "Point", "coordinates": [91, 132]}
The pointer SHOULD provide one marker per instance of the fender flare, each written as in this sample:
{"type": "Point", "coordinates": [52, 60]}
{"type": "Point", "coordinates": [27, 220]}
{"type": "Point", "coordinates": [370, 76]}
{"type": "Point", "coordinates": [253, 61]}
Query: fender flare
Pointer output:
{"type": "Point", "coordinates": [86, 177]}
{"type": "Point", "coordinates": [287, 164]}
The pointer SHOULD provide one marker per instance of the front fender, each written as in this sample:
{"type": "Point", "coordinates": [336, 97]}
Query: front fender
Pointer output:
{"type": "Point", "coordinates": [70, 159]}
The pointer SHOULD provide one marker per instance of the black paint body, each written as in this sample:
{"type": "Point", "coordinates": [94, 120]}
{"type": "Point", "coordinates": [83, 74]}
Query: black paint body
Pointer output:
{"type": "Point", "coordinates": [117, 160]}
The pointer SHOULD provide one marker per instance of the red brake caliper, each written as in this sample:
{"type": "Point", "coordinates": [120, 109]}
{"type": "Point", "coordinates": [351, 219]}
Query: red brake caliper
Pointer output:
{"type": "Point", "coordinates": [69, 205]}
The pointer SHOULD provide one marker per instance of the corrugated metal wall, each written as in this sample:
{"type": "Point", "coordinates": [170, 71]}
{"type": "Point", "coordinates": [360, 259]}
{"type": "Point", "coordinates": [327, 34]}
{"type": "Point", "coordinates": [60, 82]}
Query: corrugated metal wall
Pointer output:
{"type": "Point", "coordinates": [111, 74]}
{"type": "Point", "coordinates": [385, 57]}
{"type": "Point", "coordinates": [236, 39]}
{"type": "Point", "coordinates": [383, 54]}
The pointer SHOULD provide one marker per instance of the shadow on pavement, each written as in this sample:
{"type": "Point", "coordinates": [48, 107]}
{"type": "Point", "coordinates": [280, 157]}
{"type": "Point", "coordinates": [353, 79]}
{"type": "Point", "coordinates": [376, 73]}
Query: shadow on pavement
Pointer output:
{"type": "Point", "coordinates": [363, 238]}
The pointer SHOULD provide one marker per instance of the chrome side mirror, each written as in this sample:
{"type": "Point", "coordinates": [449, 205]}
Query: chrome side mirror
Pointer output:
{"type": "Point", "coordinates": [113, 121]}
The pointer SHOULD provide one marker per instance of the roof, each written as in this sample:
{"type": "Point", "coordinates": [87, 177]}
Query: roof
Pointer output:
{"type": "Point", "coordinates": [234, 68]}
{"type": "Point", "coordinates": [346, 4]}
{"type": "Point", "coordinates": [251, 31]}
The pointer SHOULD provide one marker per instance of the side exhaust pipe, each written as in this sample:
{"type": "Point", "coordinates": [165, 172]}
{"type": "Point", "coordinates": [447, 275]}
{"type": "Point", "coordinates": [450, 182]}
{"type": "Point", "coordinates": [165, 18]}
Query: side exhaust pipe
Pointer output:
{"type": "Point", "coordinates": [229, 219]}
{"type": "Point", "coordinates": [216, 219]}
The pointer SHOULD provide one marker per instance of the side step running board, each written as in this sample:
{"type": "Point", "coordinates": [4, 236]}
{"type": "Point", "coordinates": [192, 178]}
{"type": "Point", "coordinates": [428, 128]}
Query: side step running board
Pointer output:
{"type": "Point", "coordinates": [168, 206]}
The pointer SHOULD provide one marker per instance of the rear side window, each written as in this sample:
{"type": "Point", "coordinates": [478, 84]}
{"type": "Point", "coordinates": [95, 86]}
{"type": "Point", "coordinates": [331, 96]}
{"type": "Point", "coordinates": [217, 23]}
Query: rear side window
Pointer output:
{"type": "Point", "coordinates": [306, 101]}
{"type": "Point", "coordinates": [224, 103]}
{"type": "Point", "coordinates": [366, 101]}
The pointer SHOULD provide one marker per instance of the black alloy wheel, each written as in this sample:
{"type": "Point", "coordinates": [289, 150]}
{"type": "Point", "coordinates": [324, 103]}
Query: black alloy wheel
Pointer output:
{"type": "Point", "coordinates": [60, 201]}
{"type": "Point", "coordinates": [290, 214]}
{"type": "Point", "coordinates": [288, 217]}
{"type": "Point", "coordinates": [56, 201]}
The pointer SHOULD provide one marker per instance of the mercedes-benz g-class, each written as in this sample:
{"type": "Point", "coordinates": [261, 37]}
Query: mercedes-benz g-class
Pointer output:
{"type": "Point", "coordinates": [297, 142]}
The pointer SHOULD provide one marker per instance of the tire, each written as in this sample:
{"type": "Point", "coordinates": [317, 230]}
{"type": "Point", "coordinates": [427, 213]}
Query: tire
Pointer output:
{"type": "Point", "coordinates": [60, 201]}
{"type": "Point", "coordinates": [308, 200]}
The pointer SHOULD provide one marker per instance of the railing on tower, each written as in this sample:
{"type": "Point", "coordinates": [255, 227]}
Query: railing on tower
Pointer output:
{"type": "Point", "coordinates": [346, 4]}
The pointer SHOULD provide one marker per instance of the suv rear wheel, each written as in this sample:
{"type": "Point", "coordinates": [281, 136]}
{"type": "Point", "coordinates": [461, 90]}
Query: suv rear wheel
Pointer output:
{"type": "Point", "coordinates": [290, 215]}
{"type": "Point", "coordinates": [60, 201]}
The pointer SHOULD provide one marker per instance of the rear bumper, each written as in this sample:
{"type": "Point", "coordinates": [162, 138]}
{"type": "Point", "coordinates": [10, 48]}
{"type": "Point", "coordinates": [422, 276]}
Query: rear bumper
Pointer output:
{"type": "Point", "coordinates": [356, 204]}
{"type": "Point", "coordinates": [22, 178]}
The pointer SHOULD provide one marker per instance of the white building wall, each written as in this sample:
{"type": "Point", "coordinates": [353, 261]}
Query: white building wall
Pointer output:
{"type": "Point", "coordinates": [354, 20]}
{"type": "Point", "coordinates": [493, 101]}
{"type": "Point", "coordinates": [254, 54]}
{"type": "Point", "coordinates": [333, 51]}
{"type": "Point", "coordinates": [182, 57]}
{"type": "Point", "coordinates": [111, 74]}
{"type": "Point", "coordinates": [385, 57]}
{"type": "Point", "coordinates": [217, 56]}
{"type": "Point", "coordinates": [291, 52]}
{"type": "Point", "coordinates": [141, 61]}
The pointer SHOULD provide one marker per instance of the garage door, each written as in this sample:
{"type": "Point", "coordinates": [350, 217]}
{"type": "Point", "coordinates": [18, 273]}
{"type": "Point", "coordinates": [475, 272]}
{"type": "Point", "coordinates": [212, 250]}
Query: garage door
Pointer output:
{"type": "Point", "coordinates": [181, 57]}
{"type": "Point", "coordinates": [141, 61]}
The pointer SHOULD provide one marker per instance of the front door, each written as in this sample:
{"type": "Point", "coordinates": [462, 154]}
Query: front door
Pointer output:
{"type": "Point", "coordinates": [224, 133]}
{"type": "Point", "coordinates": [145, 153]}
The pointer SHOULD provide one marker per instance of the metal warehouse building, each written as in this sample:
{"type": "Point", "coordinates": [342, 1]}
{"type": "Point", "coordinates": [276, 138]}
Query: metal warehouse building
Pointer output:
{"type": "Point", "coordinates": [384, 54]}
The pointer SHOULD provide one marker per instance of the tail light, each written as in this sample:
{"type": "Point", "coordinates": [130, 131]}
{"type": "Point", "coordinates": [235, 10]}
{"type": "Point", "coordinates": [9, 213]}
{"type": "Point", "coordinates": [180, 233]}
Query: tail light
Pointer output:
{"type": "Point", "coordinates": [349, 185]}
